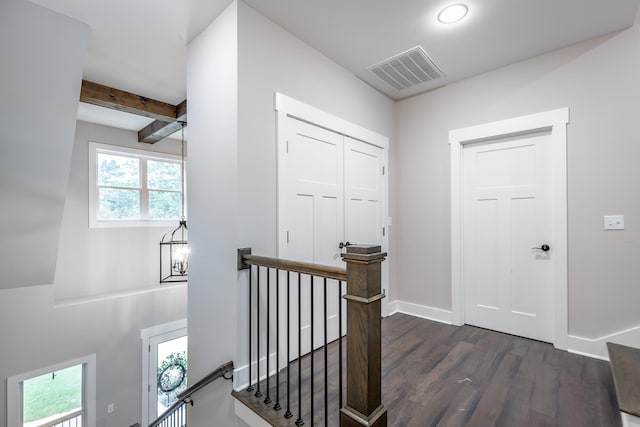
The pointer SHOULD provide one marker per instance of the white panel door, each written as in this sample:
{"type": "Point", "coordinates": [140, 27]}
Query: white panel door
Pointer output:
{"type": "Point", "coordinates": [363, 192]}
{"type": "Point", "coordinates": [507, 278]}
{"type": "Point", "coordinates": [314, 223]}
{"type": "Point", "coordinates": [333, 192]}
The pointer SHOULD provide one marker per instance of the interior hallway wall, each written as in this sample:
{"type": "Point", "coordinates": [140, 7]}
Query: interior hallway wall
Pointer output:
{"type": "Point", "coordinates": [598, 81]}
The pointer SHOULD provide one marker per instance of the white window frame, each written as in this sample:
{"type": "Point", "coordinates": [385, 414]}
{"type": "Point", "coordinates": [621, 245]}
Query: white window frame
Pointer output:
{"type": "Point", "coordinates": [15, 400]}
{"type": "Point", "coordinates": [143, 155]}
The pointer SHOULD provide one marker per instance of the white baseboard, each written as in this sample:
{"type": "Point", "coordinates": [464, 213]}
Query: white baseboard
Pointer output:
{"type": "Point", "coordinates": [423, 311]}
{"type": "Point", "coordinates": [629, 420]}
{"type": "Point", "coordinates": [241, 373]}
{"type": "Point", "coordinates": [597, 347]}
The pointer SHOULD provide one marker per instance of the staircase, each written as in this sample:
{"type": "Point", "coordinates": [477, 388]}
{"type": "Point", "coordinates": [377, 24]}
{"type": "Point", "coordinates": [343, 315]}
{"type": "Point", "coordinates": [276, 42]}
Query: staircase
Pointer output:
{"type": "Point", "coordinates": [625, 367]}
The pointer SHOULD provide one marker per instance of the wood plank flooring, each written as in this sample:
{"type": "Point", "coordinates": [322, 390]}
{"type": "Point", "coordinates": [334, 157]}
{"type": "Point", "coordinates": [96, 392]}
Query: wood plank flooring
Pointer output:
{"type": "Point", "coordinates": [440, 375]}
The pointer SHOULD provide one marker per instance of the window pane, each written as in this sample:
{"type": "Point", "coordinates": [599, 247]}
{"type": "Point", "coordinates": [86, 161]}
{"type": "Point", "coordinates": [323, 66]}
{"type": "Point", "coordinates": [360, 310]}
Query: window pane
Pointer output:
{"type": "Point", "coordinates": [164, 205]}
{"type": "Point", "coordinates": [53, 394]}
{"type": "Point", "coordinates": [119, 204]}
{"type": "Point", "coordinates": [118, 171]}
{"type": "Point", "coordinates": [163, 175]}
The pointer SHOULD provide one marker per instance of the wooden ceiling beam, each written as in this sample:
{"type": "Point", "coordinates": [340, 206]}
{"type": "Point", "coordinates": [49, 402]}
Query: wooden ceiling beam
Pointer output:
{"type": "Point", "coordinates": [105, 96]}
{"type": "Point", "coordinates": [161, 129]}
{"type": "Point", "coordinates": [167, 117]}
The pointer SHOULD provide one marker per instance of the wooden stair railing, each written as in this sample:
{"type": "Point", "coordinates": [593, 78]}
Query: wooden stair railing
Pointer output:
{"type": "Point", "coordinates": [176, 414]}
{"type": "Point", "coordinates": [363, 405]}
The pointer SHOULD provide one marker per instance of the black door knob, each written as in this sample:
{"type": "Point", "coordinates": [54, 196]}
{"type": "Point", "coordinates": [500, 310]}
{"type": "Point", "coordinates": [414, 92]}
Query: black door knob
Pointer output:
{"type": "Point", "coordinates": [544, 248]}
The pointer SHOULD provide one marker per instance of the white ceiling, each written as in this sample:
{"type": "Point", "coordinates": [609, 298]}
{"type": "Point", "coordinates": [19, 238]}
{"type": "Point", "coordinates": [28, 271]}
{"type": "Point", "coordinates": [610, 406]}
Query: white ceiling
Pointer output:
{"type": "Point", "coordinates": [140, 45]}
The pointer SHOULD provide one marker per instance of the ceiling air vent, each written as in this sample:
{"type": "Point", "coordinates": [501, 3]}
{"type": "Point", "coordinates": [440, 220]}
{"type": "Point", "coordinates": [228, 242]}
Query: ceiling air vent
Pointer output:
{"type": "Point", "coordinates": [408, 69]}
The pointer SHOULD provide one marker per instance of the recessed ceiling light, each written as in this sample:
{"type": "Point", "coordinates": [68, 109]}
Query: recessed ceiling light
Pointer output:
{"type": "Point", "coordinates": [453, 13]}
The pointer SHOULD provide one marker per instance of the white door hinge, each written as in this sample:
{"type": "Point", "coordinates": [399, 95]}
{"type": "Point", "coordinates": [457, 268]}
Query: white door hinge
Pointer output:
{"type": "Point", "coordinates": [383, 170]}
{"type": "Point", "coordinates": [383, 231]}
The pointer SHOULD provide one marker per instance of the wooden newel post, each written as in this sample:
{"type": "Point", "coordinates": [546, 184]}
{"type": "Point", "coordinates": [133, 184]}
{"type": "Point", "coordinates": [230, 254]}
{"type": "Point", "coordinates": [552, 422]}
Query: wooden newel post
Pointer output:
{"type": "Point", "coordinates": [364, 338]}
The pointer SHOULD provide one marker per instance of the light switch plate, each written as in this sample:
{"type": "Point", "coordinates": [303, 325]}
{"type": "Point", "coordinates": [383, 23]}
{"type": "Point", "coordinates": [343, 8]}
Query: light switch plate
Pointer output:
{"type": "Point", "coordinates": [614, 222]}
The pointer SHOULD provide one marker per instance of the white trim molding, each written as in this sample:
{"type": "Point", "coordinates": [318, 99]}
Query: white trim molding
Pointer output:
{"type": "Point", "coordinates": [307, 113]}
{"type": "Point", "coordinates": [555, 122]}
{"type": "Point", "coordinates": [145, 336]}
{"type": "Point", "coordinates": [422, 311]}
{"type": "Point", "coordinates": [241, 373]}
{"type": "Point", "coordinates": [597, 347]}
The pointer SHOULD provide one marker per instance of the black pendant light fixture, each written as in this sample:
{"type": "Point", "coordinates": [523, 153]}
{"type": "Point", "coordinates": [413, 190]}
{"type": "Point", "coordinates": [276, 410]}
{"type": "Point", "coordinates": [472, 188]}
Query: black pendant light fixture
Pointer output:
{"type": "Point", "coordinates": [174, 246]}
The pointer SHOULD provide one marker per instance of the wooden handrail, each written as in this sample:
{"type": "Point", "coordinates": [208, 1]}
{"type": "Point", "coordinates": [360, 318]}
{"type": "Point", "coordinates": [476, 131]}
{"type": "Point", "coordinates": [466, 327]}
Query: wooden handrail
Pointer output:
{"type": "Point", "coordinates": [317, 270]}
{"type": "Point", "coordinates": [185, 396]}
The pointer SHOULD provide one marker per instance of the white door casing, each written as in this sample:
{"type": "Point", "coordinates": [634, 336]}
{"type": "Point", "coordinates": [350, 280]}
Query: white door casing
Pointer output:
{"type": "Point", "coordinates": [554, 123]}
{"type": "Point", "coordinates": [150, 338]}
{"type": "Point", "coordinates": [507, 214]}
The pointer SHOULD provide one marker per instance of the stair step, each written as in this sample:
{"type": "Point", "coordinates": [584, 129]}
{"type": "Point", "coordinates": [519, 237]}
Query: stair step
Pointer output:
{"type": "Point", "coordinates": [625, 367]}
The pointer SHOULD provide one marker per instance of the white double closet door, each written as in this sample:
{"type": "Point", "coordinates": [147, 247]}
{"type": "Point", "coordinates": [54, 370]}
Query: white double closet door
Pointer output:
{"type": "Point", "coordinates": [331, 192]}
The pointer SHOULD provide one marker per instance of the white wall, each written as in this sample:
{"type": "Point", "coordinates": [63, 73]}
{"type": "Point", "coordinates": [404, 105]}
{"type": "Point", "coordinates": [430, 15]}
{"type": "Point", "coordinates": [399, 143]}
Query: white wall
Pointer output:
{"type": "Point", "coordinates": [212, 70]}
{"type": "Point", "coordinates": [82, 313]}
{"type": "Point", "coordinates": [36, 333]}
{"type": "Point", "coordinates": [598, 81]}
{"type": "Point", "coordinates": [43, 196]}
{"type": "Point", "coordinates": [232, 169]}
{"type": "Point", "coordinates": [42, 53]}
{"type": "Point", "coordinates": [103, 261]}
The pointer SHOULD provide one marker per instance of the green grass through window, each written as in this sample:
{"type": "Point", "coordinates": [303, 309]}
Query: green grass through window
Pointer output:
{"type": "Point", "coordinates": [46, 395]}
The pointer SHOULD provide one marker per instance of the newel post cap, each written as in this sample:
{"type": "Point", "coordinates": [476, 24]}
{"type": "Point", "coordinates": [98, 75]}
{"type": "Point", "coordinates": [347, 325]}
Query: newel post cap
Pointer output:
{"type": "Point", "coordinates": [368, 253]}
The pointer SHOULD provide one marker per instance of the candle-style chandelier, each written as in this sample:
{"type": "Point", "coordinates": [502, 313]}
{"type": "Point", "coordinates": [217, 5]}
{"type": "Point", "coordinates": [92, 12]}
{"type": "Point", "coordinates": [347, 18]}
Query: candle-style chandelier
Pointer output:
{"type": "Point", "coordinates": [174, 246]}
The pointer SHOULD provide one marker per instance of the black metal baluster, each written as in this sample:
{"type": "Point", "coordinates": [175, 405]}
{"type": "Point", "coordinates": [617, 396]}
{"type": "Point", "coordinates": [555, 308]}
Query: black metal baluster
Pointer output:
{"type": "Point", "coordinates": [250, 388]}
{"type": "Point", "coordinates": [340, 341]}
{"type": "Point", "coordinates": [288, 413]}
{"type": "Point", "coordinates": [299, 421]}
{"type": "Point", "coordinates": [277, 406]}
{"type": "Point", "coordinates": [326, 366]}
{"type": "Point", "coordinates": [267, 399]}
{"type": "Point", "coordinates": [312, 284]}
{"type": "Point", "coordinates": [258, 392]}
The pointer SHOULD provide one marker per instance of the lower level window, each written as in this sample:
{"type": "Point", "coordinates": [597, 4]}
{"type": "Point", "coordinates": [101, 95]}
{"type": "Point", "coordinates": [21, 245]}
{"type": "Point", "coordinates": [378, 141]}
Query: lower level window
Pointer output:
{"type": "Point", "coordinates": [56, 396]}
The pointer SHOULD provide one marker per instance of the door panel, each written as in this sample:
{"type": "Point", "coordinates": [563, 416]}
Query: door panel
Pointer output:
{"type": "Point", "coordinates": [363, 192]}
{"type": "Point", "coordinates": [314, 222]}
{"type": "Point", "coordinates": [507, 213]}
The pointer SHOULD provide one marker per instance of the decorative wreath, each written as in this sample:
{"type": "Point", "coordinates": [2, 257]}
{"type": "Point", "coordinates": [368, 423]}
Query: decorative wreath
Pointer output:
{"type": "Point", "coordinates": [171, 377]}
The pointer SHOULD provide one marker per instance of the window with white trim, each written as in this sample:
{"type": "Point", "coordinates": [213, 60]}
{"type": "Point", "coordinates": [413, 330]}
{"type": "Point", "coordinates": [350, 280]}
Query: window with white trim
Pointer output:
{"type": "Point", "coordinates": [59, 395]}
{"type": "Point", "coordinates": [133, 188]}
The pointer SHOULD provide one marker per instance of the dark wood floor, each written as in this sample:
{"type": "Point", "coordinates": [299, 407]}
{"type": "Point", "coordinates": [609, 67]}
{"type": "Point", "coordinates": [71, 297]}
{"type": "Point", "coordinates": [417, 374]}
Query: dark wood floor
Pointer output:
{"type": "Point", "coordinates": [441, 375]}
